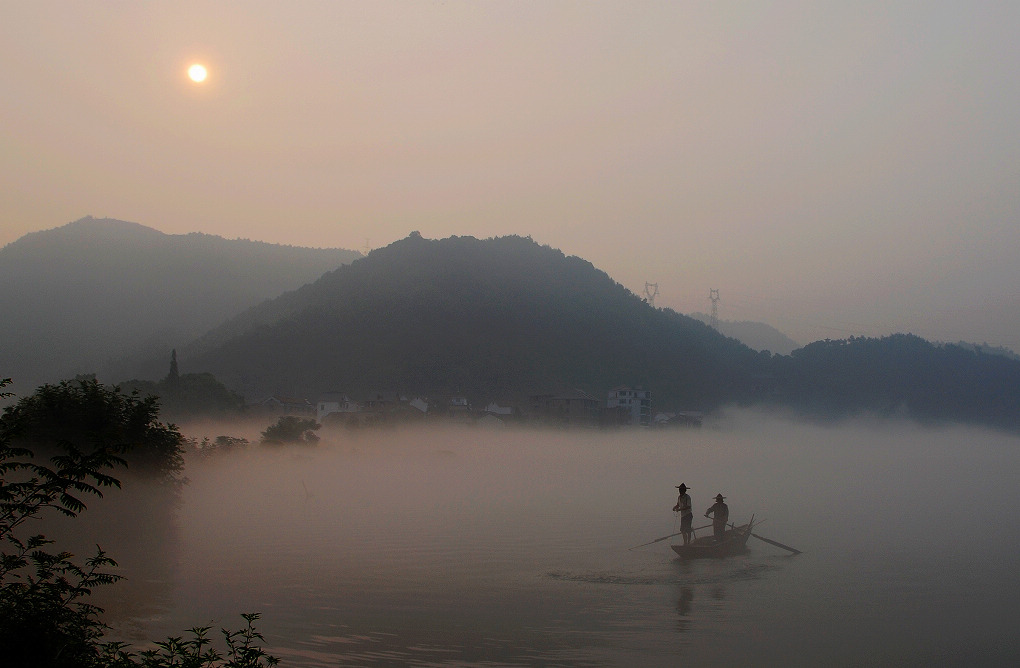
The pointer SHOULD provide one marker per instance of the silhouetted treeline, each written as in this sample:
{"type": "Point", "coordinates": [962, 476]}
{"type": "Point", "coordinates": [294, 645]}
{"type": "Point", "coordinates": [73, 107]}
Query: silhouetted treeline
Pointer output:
{"type": "Point", "coordinates": [901, 375]}
{"type": "Point", "coordinates": [191, 395]}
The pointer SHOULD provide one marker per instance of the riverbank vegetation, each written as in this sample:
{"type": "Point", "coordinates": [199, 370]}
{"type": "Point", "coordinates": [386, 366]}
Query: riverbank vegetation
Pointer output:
{"type": "Point", "coordinates": [59, 447]}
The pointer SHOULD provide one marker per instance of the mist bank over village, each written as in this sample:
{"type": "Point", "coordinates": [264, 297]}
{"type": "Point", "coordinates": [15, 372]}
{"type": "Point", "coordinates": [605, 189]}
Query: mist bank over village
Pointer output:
{"type": "Point", "coordinates": [500, 330]}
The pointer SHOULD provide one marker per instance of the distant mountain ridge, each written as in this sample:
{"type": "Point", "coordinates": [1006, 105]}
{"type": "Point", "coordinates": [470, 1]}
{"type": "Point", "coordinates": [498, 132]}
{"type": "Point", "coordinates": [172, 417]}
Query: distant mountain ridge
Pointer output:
{"type": "Point", "coordinates": [493, 319]}
{"type": "Point", "coordinates": [78, 298]}
{"type": "Point", "coordinates": [756, 335]}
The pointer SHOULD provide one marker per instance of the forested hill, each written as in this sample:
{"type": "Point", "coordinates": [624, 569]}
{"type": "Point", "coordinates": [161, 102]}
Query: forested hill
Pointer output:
{"type": "Point", "coordinates": [505, 318]}
{"type": "Point", "coordinates": [77, 297]}
{"type": "Point", "coordinates": [493, 319]}
{"type": "Point", "coordinates": [901, 375]}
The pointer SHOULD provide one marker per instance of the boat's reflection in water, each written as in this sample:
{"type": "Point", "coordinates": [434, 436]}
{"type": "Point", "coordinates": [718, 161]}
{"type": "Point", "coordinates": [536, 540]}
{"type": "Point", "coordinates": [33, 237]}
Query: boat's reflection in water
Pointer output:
{"type": "Point", "coordinates": [683, 608]}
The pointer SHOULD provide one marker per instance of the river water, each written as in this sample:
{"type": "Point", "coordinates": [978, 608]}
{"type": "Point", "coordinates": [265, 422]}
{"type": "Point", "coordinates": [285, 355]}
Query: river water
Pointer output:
{"type": "Point", "coordinates": [510, 548]}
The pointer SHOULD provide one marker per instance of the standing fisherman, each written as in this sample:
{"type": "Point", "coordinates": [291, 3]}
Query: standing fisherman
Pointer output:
{"type": "Point", "coordinates": [720, 514]}
{"type": "Point", "coordinates": [683, 506]}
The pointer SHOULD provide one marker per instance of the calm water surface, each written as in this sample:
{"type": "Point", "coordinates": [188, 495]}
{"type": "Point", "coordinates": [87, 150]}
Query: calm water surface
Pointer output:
{"type": "Point", "coordinates": [502, 548]}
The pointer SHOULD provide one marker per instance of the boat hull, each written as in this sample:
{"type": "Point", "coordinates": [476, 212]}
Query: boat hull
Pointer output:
{"type": "Point", "coordinates": [733, 542]}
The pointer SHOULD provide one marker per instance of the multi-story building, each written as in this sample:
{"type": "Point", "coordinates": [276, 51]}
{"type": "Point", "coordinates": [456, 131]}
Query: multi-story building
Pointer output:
{"type": "Point", "coordinates": [630, 405]}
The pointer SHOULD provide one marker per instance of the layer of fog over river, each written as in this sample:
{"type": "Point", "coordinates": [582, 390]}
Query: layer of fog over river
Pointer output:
{"type": "Point", "coordinates": [510, 548]}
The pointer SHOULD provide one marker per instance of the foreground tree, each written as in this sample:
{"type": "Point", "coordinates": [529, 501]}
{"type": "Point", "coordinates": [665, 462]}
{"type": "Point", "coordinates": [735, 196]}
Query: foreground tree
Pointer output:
{"type": "Point", "coordinates": [44, 617]}
{"type": "Point", "coordinates": [85, 416]}
{"type": "Point", "coordinates": [291, 429]}
{"type": "Point", "coordinates": [83, 431]}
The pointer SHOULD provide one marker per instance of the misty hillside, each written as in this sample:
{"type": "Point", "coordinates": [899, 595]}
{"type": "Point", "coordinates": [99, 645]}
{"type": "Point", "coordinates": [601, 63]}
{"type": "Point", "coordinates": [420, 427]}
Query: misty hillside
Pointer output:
{"type": "Point", "coordinates": [79, 297]}
{"type": "Point", "coordinates": [494, 319]}
{"type": "Point", "coordinates": [900, 375]}
{"type": "Point", "coordinates": [756, 335]}
{"type": "Point", "coordinates": [986, 349]}
{"type": "Point", "coordinates": [504, 318]}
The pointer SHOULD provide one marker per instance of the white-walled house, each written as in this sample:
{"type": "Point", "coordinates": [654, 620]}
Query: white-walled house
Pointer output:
{"type": "Point", "coordinates": [495, 409]}
{"type": "Point", "coordinates": [334, 402]}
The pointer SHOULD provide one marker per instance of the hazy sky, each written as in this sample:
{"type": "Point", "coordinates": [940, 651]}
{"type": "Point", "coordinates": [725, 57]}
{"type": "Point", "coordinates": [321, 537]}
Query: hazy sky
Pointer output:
{"type": "Point", "coordinates": [831, 168]}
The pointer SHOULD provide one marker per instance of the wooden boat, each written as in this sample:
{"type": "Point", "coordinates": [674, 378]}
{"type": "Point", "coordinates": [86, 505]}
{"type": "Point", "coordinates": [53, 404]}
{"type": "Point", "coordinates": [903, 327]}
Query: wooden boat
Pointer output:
{"type": "Point", "coordinates": [734, 541]}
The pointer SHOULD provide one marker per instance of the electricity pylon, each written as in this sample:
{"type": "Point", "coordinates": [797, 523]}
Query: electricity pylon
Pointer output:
{"type": "Point", "coordinates": [651, 292]}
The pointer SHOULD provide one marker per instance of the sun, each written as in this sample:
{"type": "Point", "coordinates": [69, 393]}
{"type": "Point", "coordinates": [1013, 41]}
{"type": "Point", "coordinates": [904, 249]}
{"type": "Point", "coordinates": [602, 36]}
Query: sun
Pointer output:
{"type": "Point", "coordinates": [197, 73]}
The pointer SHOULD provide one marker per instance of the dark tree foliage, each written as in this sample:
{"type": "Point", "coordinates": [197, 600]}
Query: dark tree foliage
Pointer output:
{"type": "Point", "coordinates": [189, 396]}
{"type": "Point", "coordinates": [220, 446]}
{"type": "Point", "coordinates": [902, 374]}
{"type": "Point", "coordinates": [192, 395]}
{"type": "Point", "coordinates": [46, 619]}
{"type": "Point", "coordinates": [85, 416]}
{"type": "Point", "coordinates": [291, 429]}
{"type": "Point", "coordinates": [244, 650]}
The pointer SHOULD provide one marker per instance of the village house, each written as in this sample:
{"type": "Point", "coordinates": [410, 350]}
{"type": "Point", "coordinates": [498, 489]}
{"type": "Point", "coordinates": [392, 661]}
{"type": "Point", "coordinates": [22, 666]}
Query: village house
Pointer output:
{"type": "Point", "coordinates": [380, 402]}
{"type": "Point", "coordinates": [629, 406]}
{"type": "Point", "coordinates": [573, 408]}
{"type": "Point", "coordinates": [278, 405]}
{"type": "Point", "coordinates": [334, 403]}
{"type": "Point", "coordinates": [499, 411]}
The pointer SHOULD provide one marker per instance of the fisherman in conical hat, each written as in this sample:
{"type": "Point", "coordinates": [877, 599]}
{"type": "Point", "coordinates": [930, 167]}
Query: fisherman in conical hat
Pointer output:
{"type": "Point", "coordinates": [720, 514]}
{"type": "Point", "coordinates": [684, 507]}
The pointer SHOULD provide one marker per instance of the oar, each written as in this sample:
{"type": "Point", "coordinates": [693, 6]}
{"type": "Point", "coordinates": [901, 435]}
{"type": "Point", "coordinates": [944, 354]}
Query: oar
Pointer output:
{"type": "Point", "coordinates": [665, 537]}
{"type": "Point", "coordinates": [772, 542]}
{"type": "Point", "coordinates": [776, 543]}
